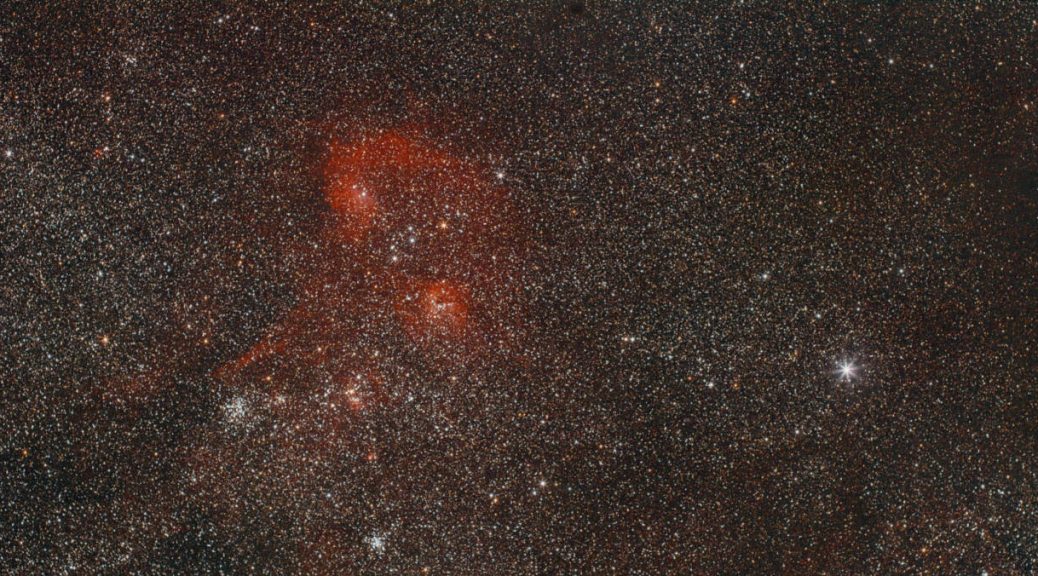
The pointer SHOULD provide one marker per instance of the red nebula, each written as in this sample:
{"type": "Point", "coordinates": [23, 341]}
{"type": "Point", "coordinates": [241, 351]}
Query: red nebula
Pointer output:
{"type": "Point", "coordinates": [384, 167]}
{"type": "Point", "coordinates": [436, 237]}
{"type": "Point", "coordinates": [418, 242]}
{"type": "Point", "coordinates": [353, 200]}
{"type": "Point", "coordinates": [415, 270]}
{"type": "Point", "coordinates": [435, 308]}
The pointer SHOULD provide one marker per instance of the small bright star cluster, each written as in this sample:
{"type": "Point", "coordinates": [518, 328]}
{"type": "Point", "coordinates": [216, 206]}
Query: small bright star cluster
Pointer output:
{"type": "Point", "coordinates": [518, 288]}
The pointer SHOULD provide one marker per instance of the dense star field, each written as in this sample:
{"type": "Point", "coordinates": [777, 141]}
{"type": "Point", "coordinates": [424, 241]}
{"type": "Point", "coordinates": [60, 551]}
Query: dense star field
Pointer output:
{"type": "Point", "coordinates": [725, 288]}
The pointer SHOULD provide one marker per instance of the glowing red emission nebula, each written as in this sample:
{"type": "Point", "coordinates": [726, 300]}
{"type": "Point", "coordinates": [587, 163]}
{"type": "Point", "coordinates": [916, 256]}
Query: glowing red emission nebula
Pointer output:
{"type": "Point", "coordinates": [414, 273]}
{"type": "Point", "coordinates": [417, 242]}
{"type": "Point", "coordinates": [361, 176]}
{"type": "Point", "coordinates": [435, 309]}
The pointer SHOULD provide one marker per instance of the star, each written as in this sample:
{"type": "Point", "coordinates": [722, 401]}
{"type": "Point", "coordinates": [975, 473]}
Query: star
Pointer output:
{"type": "Point", "coordinates": [847, 370]}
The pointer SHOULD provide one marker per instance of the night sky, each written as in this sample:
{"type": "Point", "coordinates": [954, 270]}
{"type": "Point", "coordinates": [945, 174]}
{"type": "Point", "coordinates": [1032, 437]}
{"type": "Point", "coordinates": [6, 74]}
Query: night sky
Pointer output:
{"type": "Point", "coordinates": [545, 288]}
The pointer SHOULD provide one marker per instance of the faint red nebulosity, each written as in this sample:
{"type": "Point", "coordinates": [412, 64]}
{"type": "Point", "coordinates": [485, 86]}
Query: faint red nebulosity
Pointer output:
{"type": "Point", "coordinates": [416, 238]}
{"type": "Point", "coordinates": [357, 175]}
{"type": "Point", "coordinates": [434, 309]}
{"type": "Point", "coordinates": [414, 271]}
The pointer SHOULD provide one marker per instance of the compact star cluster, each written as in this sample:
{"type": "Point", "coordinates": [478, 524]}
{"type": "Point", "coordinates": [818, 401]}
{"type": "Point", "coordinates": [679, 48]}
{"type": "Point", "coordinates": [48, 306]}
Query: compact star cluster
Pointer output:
{"type": "Point", "coordinates": [326, 288]}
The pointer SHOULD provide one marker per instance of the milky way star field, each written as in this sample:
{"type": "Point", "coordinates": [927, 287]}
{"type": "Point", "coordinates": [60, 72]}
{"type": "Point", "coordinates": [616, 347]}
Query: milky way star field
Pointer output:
{"type": "Point", "coordinates": [543, 288]}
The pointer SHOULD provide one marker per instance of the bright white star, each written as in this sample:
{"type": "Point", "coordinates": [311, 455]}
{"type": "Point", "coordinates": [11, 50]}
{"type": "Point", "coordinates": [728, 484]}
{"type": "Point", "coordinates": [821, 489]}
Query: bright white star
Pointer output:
{"type": "Point", "coordinates": [847, 370]}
